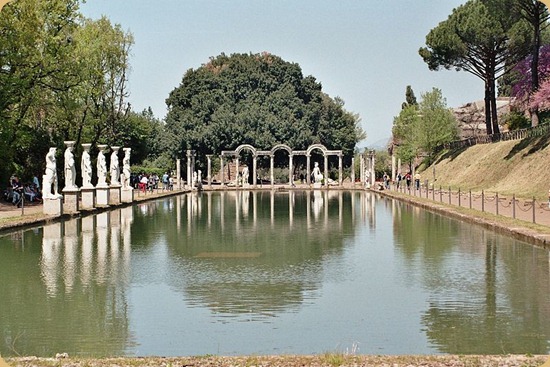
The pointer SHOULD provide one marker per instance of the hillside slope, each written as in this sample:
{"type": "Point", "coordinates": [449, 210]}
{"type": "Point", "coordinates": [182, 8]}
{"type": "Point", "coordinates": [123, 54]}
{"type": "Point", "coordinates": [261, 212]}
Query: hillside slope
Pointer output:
{"type": "Point", "coordinates": [520, 167]}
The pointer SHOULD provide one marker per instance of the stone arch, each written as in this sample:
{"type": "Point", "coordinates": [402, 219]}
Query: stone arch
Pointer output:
{"type": "Point", "coordinates": [311, 148]}
{"type": "Point", "coordinates": [245, 146]}
{"type": "Point", "coordinates": [281, 146]}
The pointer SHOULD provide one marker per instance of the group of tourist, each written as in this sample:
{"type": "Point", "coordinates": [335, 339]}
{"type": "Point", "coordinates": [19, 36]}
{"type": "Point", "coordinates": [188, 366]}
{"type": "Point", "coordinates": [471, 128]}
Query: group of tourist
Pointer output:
{"type": "Point", "coordinates": [408, 178]}
{"type": "Point", "coordinates": [150, 182]}
{"type": "Point", "coordinates": [17, 191]}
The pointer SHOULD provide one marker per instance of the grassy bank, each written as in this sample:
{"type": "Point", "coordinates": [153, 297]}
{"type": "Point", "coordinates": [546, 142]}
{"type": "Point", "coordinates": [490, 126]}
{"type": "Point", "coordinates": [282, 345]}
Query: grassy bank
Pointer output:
{"type": "Point", "coordinates": [520, 167]}
{"type": "Point", "coordinates": [323, 360]}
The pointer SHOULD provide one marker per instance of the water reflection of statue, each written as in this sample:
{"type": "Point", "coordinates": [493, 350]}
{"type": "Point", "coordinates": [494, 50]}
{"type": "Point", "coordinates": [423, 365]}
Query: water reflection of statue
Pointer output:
{"type": "Point", "coordinates": [316, 174]}
{"type": "Point", "coordinates": [245, 175]}
{"type": "Point", "coordinates": [70, 169]}
{"type": "Point", "coordinates": [114, 168]}
{"type": "Point", "coordinates": [50, 176]}
{"type": "Point", "coordinates": [86, 166]}
{"type": "Point", "coordinates": [317, 203]}
{"type": "Point", "coordinates": [126, 168]}
{"type": "Point", "coordinates": [101, 166]}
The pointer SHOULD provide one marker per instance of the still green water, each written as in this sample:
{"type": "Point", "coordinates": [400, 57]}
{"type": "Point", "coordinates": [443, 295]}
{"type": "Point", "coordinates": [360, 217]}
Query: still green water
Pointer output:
{"type": "Point", "coordinates": [271, 273]}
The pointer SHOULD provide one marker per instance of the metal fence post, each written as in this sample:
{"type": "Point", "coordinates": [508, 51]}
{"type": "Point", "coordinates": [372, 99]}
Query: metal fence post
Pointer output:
{"type": "Point", "coordinates": [470, 199]}
{"type": "Point", "coordinates": [482, 201]}
{"type": "Point", "coordinates": [496, 198]}
{"type": "Point", "coordinates": [449, 195]}
{"type": "Point", "coordinates": [514, 206]}
{"type": "Point", "coordinates": [459, 197]}
{"type": "Point", "coordinates": [534, 221]}
{"type": "Point", "coordinates": [440, 194]}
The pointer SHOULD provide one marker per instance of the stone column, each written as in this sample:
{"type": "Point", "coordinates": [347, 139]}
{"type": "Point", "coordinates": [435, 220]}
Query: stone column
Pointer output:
{"type": "Point", "coordinates": [254, 171]}
{"type": "Point", "coordinates": [352, 176]}
{"type": "Point", "coordinates": [325, 159]}
{"type": "Point", "coordinates": [209, 169]}
{"type": "Point", "coordinates": [308, 169]}
{"type": "Point", "coordinates": [290, 170]}
{"type": "Point", "coordinates": [193, 168]}
{"type": "Point", "coordinates": [271, 164]}
{"type": "Point", "coordinates": [237, 171]}
{"type": "Point", "coordinates": [393, 175]}
{"type": "Point", "coordinates": [222, 171]}
{"type": "Point", "coordinates": [340, 178]}
{"type": "Point", "coordinates": [373, 171]}
{"type": "Point", "coordinates": [362, 169]}
{"type": "Point", "coordinates": [178, 173]}
{"type": "Point", "coordinates": [189, 173]}
{"type": "Point", "coordinates": [399, 166]}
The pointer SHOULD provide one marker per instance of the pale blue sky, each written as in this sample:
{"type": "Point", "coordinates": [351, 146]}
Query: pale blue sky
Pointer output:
{"type": "Point", "coordinates": [364, 51]}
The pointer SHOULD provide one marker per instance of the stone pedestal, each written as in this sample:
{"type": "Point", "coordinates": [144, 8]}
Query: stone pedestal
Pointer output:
{"type": "Point", "coordinates": [70, 200]}
{"type": "Point", "coordinates": [53, 206]}
{"type": "Point", "coordinates": [316, 185]}
{"type": "Point", "coordinates": [114, 194]}
{"type": "Point", "coordinates": [87, 195]}
{"type": "Point", "coordinates": [127, 195]}
{"type": "Point", "coordinates": [101, 196]}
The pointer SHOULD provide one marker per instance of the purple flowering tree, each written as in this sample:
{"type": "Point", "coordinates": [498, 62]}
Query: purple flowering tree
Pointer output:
{"type": "Point", "coordinates": [521, 90]}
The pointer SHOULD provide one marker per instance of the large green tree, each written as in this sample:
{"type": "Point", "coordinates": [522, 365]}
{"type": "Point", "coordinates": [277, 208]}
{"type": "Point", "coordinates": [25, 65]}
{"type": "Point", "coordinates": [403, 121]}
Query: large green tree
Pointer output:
{"type": "Point", "coordinates": [62, 77]}
{"type": "Point", "coordinates": [419, 128]}
{"type": "Point", "coordinates": [256, 99]}
{"type": "Point", "coordinates": [482, 37]}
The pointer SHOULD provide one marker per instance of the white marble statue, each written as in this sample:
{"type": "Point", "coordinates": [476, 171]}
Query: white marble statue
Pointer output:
{"type": "Point", "coordinates": [50, 176]}
{"type": "Point", "coordinates": [126, 172]}
{"type": "Point", "coordinates": [86, 166]}
{"type": "Point", "coordinates": [70, 169]}
{"type": "Point", "coordinates": [114, 167]}
{"type": "Point", "coordinates": [316, 174]}
{"type": "Point", "coordinates": [101, 166]}
{"type": "Point", "coordinates": [245, 175]}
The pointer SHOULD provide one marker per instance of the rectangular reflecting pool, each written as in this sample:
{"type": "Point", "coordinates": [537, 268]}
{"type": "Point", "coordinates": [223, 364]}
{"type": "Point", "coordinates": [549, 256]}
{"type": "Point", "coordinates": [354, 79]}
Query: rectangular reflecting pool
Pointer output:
{"type": "Point", "coordinates": [245, 272]}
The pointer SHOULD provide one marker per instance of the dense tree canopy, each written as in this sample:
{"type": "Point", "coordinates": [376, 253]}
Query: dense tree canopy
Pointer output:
{"type": "Point", "coordinates": [256, 99]}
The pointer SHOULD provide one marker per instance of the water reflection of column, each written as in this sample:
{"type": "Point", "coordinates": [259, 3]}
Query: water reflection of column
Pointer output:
{"type": "Point", "coordinates": [209, 208]}
{"type": "Point", "coordinates": [87, 249]}
{"type": "Point", "coordinates": [222, 213]}
{"type": "Point", "coordinates": [340, 209]}
{"type": "Point", "coordinates": [371, 212]}
{"type": "Point", "coordinates": [178, 213]}
{"type": "Point", "coordinates": [102, 232]}
{"type": "Point", "coordinates": [272, 206]}
{"type": "Point", "coordinates": [363, 204]}
{"type": "Point", "coordinates": [70, 241]}
{"type": "Point", "coordinates": [255, 208]}
{"type": "Point", "coordinates": [308, 209]}
{"type": "Point", "coordinates": [325, 194]}
{"type": "Point", "coordinates": [189, 212]}
{"type": "Point", "coordinates": [237, 210]}
{"type": "Point", "coordinates": [115, 237]}
{"type": "Point", "coordinates": [126, 217]}
{"type": "Point", "coordinates": [51, 244]}
{"type": "Point", "coordinates": [291, 208]}
{"type": "Point", "coordinates": [353, 193]}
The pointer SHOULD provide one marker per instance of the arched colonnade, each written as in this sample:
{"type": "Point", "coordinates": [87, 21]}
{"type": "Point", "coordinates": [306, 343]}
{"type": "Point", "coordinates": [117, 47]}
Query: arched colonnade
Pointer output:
{"type": "Point", "coordinates": [271, 154]}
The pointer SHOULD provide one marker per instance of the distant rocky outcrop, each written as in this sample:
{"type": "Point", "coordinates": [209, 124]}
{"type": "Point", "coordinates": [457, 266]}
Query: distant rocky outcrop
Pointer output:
{"type": "Point", "coordinates": [471, 117]}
